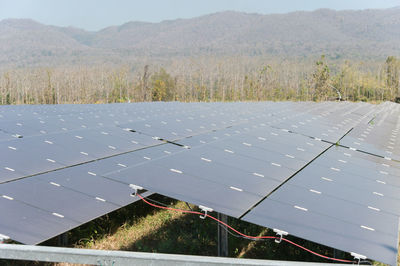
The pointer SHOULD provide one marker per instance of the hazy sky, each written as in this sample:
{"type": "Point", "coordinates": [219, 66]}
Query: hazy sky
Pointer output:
{"type": "Point", "coordinates": [97, 14]}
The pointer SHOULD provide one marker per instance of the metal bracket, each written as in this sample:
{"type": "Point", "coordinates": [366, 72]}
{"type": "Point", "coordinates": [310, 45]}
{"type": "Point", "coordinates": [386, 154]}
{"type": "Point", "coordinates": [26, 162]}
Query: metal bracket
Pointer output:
{"type": "Point", "coordinates": [280, 233]}
{"type": "Point", "coordinates": [205, 210]}
{"type": "Point", "coordinates": [358, 257]}
{"type": "Point", "coordinates": [4, 238]}
{"type": "Point", "coordinates": [135, 188]}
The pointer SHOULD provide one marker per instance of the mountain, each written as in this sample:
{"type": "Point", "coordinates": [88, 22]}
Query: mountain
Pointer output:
{"type": "Point", "coordinates": [363, 34]}
{"type": "Point", "coordinates": [26, 41]}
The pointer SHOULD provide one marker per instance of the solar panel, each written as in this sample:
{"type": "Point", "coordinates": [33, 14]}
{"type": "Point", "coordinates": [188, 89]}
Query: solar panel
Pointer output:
{"type": "Point", "coordinates": [232, 157]}
{"type": "Point", "coordinates": [87, 180]}
{"type": "Point", "coordinates": [154, 153]}
{"type": "Point", "coordinates": [325, 230]}
{"type": "Point", "coordinates": [366, 222]}
{"type": "Point", "coordinates": [45, 153]}
{"type": "Point", "coordinates": [276, 144]}
{"type": "Point", "coordinates": [17, 128]}
{"type": "Point", "coordinates": [184, 124]}
{"type": "Point", "coordinates": [177, 184]}
{"type": "Point", "coordinates": [378, 138]}
{"type": "Point", "coordinates": [34, 154]}
{"type": "Point", "coordinates": [8, 174]}
{"type": "Point", "coordinates": [71, 196]}
{"type": "Point", "coordinates": [30, 225]}
{"type": "Point", "coordinates": [71, 204]}
{"type": "Point", "coordinates": [228, 155]}
{"type": "Point", "coordinates": [238, 166]}
{"type": "Point", "coordinates": [329, 124]}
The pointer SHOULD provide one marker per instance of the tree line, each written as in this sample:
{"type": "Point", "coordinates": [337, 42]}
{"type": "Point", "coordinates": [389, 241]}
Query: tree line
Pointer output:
{"type": "Point", "coordinates": [199, 80]}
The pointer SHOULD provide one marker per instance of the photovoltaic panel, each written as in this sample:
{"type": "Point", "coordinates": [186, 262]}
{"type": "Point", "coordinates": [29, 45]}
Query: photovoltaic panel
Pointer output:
{"type": "Point", "coordinates": [379, 135]}
{"type": "Point", "coordinates": [328, 124]}
{"type": "Point", "coordinates": [358, 161]}
{"type": "Point", "coordinates": [366, 172]}
{"type": "Point", "coordinates": [67, 198]}
{"type": "Point", "coordinates": [154, 153]}
{"type": "Point", "coordinates": [56, 151]}
{"type": "Point", "coordinates": [76, 206]}
{"type": "Point", "coordinates": [30, 152]}
{"type": "Point", "coordinates": [17, 128]}
{"type": "Point", "coordinates": [177, 184]}
{"type": "Point", "coordinates": [182, 125]}
{"type": "Point", "coordinates": [86, 179]}
{"type": "Point", "coordinates": [293, 150]}
{"type": "Point", "coordinates": [366, 221]}
{"type": "Point", "coordinates": [5, 136]}
{"type": "Point", "coordinates": [30, 225]}
{"type": "Point", "coordinates": [211, 169]}
{"type": "Point", "coordinates": [9, 174]}
{"type": "Point", "coordinates": [326, 230]}
{"type": "Point", "coordinates": [227, 156]}
{"type": "Point", "coordinates": [277, 144]}
{"type": "Point", "coordinates": [344, 188]}
{"type": "Point", "coordinates": [256, 152]}
{"type": "Point", "coordinates": [234, 163]}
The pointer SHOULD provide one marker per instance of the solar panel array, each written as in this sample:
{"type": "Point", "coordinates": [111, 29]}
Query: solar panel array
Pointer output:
{"type": "Point", "coordinates": [326, 172]}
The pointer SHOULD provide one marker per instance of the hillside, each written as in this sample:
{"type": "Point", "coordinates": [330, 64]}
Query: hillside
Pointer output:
{"type": "Point", "coordinates": [365, 34]}
{"type": "Point", "coordinates": [26, 41]}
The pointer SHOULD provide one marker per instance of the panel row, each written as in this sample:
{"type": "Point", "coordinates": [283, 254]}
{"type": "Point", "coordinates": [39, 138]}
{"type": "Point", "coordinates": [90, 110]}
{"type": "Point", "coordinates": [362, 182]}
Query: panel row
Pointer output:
{"type": "Point", "coordinates": [344, 199]}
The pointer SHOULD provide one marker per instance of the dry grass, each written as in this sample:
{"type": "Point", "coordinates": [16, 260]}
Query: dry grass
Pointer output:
{"type": "Point", "coordinates": [251, 245]}
{"type": "Point", "coordinates": [128, 234]}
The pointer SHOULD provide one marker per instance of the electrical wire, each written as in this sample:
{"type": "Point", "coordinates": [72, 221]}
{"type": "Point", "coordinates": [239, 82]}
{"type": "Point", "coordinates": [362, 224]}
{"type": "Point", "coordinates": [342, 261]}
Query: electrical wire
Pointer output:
{"type": "Point", "coordinates": [244, 235]}
{"type": "Point", "coordinates": [187, 204]}
{"type": "Point", "coordinates": [190, 208]}
{"type": "Point", "coordinates": [362, 262]}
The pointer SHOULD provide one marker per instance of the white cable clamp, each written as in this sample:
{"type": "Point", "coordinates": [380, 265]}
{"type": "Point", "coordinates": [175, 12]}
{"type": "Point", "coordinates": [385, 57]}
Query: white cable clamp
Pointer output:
{"type": "Point", "coordinates": [205, 210]}
{"type": "Point", "coordinates": [3, 238]}
{"type": "Point", "coordinates": [358, 257]}
{"type": "Point", "coordinates": [135, 188]}
{"type": "Point", "coordinates": [280, 233]}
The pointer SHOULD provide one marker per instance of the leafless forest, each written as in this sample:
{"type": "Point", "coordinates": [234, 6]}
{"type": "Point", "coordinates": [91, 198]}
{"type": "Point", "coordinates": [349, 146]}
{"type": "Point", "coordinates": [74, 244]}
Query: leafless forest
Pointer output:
{"type": "Point", "coordinates": [203, 79]}
{"type": "Point", "coordinates": [227, 56]}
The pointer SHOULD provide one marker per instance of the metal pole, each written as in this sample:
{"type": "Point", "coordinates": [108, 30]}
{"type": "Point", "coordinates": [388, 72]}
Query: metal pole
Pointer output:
{"type": "Point", "coordinates": [63, 240]}
{"type": "Point", "coordinates": [222, 236]}
{"type": "Point", "coordinates": [338, 254]}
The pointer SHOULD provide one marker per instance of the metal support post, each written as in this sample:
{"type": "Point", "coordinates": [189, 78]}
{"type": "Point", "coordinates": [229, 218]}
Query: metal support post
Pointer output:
{"type": "Point", "coordinates": [63, 240]}
{"type": "Point", "coordinates": [222, 236]}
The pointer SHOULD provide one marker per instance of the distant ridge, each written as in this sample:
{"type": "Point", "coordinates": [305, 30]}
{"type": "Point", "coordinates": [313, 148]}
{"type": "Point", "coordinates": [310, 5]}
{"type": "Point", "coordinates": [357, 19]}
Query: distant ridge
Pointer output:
{"type": "Point", "coordinates": [362, 34]}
